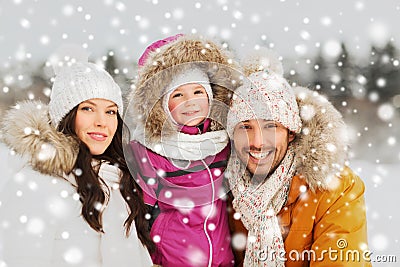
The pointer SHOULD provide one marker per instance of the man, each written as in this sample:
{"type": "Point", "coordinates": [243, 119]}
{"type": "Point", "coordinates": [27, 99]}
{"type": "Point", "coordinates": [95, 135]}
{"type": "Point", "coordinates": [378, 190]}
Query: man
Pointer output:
{"type": "Point", "coordinates": [292, 192]}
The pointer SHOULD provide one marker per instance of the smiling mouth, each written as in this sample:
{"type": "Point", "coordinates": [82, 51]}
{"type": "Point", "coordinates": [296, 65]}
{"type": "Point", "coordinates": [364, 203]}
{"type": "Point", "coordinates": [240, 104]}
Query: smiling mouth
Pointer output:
{"type": "Point", "coordinates": [98, 136]}
{"type": "Point", "coordinates": [190, 113]}
{"type": "Point", "coordinates": [260, 155]}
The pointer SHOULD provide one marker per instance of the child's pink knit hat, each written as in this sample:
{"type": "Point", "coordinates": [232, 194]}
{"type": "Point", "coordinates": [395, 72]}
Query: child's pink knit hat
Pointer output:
{"type": "Point", "coordinates": [157, 44]}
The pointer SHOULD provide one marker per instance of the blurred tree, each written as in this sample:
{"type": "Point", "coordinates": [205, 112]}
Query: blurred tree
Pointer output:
{"type": "Point", "coordinates": [296, 72]}
{"type": "Point", "coordinates": [383, 76]}
{"type": "Point", "coordinates": [320, 70]}
{"type": "Point", "coordinates": [345, 81]}
{"type": "Point", "coordinates": [110, 64]}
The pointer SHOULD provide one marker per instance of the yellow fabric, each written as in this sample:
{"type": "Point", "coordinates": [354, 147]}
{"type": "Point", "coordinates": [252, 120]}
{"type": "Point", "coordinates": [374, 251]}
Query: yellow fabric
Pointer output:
{"type": "Point", "coordinates": [332, 220]}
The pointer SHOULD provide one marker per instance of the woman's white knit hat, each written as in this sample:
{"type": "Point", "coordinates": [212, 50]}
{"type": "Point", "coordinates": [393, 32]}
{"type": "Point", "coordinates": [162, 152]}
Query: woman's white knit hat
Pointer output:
{"type": "Point", "coordinates": [78, 82]}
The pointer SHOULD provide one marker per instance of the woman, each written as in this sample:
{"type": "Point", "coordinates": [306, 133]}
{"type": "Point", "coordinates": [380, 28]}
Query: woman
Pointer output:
{"type": "Point", "coordinates": [74, 202]}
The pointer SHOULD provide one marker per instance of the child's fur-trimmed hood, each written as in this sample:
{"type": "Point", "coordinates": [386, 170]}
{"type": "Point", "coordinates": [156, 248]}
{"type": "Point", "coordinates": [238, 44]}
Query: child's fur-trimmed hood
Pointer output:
{"type": "Point", "coordinates": [162, 65]}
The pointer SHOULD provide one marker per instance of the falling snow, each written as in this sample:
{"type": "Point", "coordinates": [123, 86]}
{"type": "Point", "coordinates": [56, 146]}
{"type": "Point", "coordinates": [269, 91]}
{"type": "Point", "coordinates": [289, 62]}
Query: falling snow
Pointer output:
{"type": "Point", "coordinates": [33, 39]}
{"type": "Point", "coordinates": [73, 256]}
{"type": "Point", "coordinates": [35, 226]}
{"type": "Point", "coordinates": [239, 241]}
{"type": "Point", "coordinates": [386, 112]}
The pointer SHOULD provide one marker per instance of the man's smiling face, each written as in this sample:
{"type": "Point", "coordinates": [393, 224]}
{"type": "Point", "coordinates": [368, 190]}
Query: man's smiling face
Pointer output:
{"type": "Point", "coordinates": [261, 145]}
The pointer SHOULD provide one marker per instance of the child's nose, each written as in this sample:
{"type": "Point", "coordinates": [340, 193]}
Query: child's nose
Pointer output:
{"type": "Point", "coordinates": [190, 102]}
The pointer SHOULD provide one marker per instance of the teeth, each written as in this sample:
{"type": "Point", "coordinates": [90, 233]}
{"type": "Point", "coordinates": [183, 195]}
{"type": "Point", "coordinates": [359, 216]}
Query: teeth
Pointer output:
{"type": "Point", "coordinates": [190, 112]}
{"type": "Point", "coordinates": [259, 155]}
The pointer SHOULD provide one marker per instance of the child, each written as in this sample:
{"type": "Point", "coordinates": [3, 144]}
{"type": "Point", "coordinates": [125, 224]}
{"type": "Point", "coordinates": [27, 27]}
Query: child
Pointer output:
{"type": "Point", "coordinates": [180, 159]}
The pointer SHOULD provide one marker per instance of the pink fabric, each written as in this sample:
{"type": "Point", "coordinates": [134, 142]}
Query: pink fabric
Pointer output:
{"type": "Point", "coordinates": [154, 46]}
{"type": "Point", "coordinates": [182, 238]}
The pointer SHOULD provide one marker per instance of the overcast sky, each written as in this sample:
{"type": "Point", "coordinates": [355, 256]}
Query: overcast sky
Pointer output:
{"type": "Point", "coordinates": [33, 29]}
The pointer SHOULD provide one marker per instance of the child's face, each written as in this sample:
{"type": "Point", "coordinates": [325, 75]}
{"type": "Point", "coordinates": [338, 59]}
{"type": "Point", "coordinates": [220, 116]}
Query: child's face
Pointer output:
{"type": "Point", "coordinates": [188, 104]}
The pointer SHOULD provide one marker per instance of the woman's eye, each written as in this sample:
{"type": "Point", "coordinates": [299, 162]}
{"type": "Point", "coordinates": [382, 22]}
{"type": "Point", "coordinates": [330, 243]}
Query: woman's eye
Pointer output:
{"type": "Point", "coordinates": [86, 108]}
{"type": "Point", "coordinates": [112, 112]}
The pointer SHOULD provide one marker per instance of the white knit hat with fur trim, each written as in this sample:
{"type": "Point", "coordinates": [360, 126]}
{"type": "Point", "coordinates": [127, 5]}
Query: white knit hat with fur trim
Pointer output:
{"type": "Point", "coordinates": [78, 82]}
{"type": "Point", "coordinates": [192, 75]}
{"type": "Point", "coordinates": [264, 95]}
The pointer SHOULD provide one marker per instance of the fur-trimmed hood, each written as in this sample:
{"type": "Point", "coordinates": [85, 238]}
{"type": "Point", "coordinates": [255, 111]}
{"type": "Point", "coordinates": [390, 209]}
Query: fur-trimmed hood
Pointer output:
{"type": "Point", "coordinates": [26, 129]}
{"type": "Point", "coordinates": [161, 67]}
{"type": "Point", "coordinates": [321, 147]}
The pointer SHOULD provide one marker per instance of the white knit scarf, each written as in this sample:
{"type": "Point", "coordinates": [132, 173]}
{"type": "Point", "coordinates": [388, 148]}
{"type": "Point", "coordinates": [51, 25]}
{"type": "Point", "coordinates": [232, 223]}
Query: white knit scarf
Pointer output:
{"type": "Point", "coordinates": [183, 146]}
{"type": "Point", "coordinates": [259, 205]}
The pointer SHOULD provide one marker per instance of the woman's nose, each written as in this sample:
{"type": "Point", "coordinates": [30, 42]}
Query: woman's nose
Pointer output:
{"type": "Point", "coordinates": [100, 119]}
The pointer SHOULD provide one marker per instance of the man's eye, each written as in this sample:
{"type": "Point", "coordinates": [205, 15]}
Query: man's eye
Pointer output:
{"type": "Point", "coordinates": [245, 127]}
{"type": "Point", "coordinates": [270, 125]}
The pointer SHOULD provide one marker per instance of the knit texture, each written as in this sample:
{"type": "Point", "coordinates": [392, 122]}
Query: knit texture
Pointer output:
{"type": "Point", "coordinates": [264, 95]}
{"type": "Point", "coordinates": [78, 82]}
{"type": "Point", "coordinates": [154, 46]}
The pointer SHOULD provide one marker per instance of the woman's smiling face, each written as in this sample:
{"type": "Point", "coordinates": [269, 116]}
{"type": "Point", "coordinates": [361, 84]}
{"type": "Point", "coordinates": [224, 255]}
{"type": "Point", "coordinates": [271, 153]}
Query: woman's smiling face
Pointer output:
{"type": "Point", "coordinates": [96, 123]}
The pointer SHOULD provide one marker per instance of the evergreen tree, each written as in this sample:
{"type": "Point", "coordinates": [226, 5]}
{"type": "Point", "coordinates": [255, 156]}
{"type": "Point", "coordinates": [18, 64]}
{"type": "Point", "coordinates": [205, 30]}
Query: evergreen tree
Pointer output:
{"type": "Point", "coordinates": [111, 65]}
{"type": "Point", "coordinates": [383, 77]}
{"type": "Point", "coordinates": [346, 77]}
{"type": "Point", "coordinates": [321, 81]}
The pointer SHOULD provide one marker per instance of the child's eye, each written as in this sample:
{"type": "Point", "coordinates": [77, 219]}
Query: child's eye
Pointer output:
{"type": "Point", "coordinates": [177, 95]}
{"type": "Point", "coordinates": [198, 92]}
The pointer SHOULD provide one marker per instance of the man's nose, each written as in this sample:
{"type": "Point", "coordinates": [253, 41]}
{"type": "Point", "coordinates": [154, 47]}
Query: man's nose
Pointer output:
{"type": "Point", "coordinates": [257, 138]}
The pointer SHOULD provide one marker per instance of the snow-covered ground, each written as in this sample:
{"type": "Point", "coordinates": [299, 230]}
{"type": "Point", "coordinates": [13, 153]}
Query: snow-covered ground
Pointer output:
{"type": "Point", "coordinates": [382, 185]}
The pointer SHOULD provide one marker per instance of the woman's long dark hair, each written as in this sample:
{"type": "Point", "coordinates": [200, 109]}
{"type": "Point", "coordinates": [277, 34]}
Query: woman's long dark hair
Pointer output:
{"type": "Point", "coordinates": [90, 186]}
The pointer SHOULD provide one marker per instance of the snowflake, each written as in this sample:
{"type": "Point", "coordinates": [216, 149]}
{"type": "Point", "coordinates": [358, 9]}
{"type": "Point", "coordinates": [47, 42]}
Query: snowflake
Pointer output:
{"type": "Point", "coordinates": [35, 226]}
{"type": "Point", "coordinates": [332, 49]}
{"type": "Point", "coordinates": [196, 256]}
{"type": "Point", "coordinates": [205, 211]}
{"type": "Point", "coordinates": [73, 256]}
{"type": "Point", "coordinates": [386, 112]}
{"type": "Point", "coordinates": [379, 242]}
{"type": "Point", "coordinates": [184, 205]}
{"type": "Point", "coordinates": [65, 235]}
{"type": "Point", "coordinates": [156, 239]}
